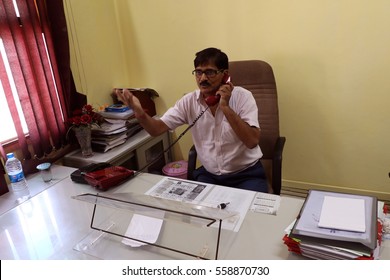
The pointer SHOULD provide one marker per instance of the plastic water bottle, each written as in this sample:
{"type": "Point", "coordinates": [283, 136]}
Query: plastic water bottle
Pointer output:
{"type": "Point", "coordinates": [16, 176]}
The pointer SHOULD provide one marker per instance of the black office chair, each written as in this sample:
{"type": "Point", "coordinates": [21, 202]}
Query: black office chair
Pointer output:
{"type": "Point", "coordinates": [257, 76]}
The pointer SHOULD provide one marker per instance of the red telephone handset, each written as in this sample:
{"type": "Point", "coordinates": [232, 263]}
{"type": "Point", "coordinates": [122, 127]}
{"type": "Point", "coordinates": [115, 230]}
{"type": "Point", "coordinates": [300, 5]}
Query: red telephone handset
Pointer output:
{"type": "Point", "coordinates": [214, 99]}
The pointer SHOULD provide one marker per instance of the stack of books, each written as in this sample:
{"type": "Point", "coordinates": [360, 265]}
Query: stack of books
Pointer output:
{"type": "Point", "coordinates": [119, 125]}
{"type": "Point", "coordinates": [335, 226]}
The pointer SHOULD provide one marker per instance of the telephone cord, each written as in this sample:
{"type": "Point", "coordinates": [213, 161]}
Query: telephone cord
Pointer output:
{"type": "Point", "coordinates": [171, 145]}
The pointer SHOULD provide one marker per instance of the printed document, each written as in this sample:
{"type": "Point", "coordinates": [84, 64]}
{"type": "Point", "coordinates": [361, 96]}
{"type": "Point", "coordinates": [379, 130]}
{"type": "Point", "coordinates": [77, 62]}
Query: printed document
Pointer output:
{"type": "Point", "coordinates": [236, 201]}
{"type": "Point", "coordinates": [179, 190]}
{"type": "Point", "coordinates": [266, 203]}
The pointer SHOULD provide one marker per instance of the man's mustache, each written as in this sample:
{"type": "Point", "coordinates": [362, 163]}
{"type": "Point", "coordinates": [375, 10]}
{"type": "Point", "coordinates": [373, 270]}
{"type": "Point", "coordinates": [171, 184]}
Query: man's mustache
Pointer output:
{"type": "Point", "coordinates": [205, 83]}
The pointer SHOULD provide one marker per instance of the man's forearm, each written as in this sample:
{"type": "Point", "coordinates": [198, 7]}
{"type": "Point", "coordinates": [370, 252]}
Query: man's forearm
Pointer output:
{"type": "Point", "coordinates": [250, 136]}
{"type": "Point", "coordinates": [154, 127]}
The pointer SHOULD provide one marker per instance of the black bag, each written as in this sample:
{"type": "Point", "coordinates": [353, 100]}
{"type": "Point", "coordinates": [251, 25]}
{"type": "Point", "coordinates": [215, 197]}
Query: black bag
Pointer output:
{"type": "Point", "coordinates": [78, 175]}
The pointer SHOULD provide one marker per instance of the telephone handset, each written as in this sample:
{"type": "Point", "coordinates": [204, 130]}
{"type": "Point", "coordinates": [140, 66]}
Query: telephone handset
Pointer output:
{"type": "Point", "coordinates": [214, 99]}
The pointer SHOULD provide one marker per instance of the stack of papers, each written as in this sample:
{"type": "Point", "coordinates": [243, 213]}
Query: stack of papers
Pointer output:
{"type": "Point", "coordinates": [112, 133]}
{"type": "Point", "coordinates": [335, 226]}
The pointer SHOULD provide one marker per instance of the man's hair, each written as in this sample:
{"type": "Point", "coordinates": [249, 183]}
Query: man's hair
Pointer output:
{"type": "Point", "coordinates": [212, 56]}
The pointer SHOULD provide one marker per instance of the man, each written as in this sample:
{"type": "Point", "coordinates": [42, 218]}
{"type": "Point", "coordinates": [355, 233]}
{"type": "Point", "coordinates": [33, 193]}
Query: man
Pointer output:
{"type": "Point", "coordinates": [226, 136]}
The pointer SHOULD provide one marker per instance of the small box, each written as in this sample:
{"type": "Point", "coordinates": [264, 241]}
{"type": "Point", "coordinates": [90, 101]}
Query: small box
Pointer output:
{"type": "Point", "coordinates": [176, 169]}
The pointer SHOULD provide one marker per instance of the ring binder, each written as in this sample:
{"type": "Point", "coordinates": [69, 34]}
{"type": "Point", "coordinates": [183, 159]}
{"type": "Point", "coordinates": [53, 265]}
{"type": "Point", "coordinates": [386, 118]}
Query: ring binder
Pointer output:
{"type": "Point", "coordinates": [309, 239]}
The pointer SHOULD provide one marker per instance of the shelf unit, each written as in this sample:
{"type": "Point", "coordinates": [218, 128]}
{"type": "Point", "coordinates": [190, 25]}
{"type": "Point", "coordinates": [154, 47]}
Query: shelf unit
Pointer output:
{"type": "Point", "coordinates": [138, 151]}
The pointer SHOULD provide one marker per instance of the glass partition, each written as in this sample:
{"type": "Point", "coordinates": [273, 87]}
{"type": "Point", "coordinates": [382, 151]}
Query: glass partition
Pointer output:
{"type": "Point", "coordinates": [129, 225]}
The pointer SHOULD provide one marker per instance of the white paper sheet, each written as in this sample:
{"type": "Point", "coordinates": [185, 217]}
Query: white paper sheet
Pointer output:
{"type": "Point", "coordinates": [343, 213]}
{"type": "Point", "coordinates": [144, 228]}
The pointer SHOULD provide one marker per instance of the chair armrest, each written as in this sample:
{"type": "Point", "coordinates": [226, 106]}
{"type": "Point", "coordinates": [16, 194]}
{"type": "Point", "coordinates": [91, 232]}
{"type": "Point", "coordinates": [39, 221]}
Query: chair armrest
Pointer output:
{"type": "Point", "coordinates": [277, 165]}
{"type": "Point", "coordinates": [192, 155]}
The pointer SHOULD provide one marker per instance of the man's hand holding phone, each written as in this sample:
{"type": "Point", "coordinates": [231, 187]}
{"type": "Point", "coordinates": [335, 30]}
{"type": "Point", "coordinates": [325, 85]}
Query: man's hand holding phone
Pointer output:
{"type": "Point", "coordinates": [225, 91]}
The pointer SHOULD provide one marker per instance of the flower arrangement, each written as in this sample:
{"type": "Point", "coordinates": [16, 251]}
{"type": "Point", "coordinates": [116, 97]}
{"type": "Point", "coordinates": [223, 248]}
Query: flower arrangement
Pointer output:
{"type": "Point", "coordinates": [86, 116]}
{"type": "Point", "coordinates": [81, 123]}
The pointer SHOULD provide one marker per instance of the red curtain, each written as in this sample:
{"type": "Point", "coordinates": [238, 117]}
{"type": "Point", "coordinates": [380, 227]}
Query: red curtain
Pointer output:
{"type": "Point", "coordinates": [37, 48]}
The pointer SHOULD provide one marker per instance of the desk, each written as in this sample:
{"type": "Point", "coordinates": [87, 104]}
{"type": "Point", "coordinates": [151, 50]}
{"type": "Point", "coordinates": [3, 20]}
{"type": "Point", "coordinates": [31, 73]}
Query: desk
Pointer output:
{"type": "Point", "coordinates": [36, 186]}
{"type": "Point", "coordinates": [51, 223]}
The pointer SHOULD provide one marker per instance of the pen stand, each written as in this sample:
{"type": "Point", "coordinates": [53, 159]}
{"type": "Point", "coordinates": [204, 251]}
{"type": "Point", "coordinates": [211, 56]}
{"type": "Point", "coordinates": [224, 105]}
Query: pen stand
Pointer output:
{"type": "Point", "coordinates": [137, 226]}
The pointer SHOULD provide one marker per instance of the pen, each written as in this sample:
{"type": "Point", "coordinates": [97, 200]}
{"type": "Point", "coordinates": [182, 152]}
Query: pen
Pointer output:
{"type": "Point", "coordinates": [223, 205]}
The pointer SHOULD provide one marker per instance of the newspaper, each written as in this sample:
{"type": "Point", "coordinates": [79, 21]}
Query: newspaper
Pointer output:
{"type": "Point", "coordinates": [236, 201]}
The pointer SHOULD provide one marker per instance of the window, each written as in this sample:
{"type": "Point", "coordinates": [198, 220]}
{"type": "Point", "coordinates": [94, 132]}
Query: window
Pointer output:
{"type": "Point", "coordinates": [36, 87]}
{"type": "Point", "coordinates": [8, 132]}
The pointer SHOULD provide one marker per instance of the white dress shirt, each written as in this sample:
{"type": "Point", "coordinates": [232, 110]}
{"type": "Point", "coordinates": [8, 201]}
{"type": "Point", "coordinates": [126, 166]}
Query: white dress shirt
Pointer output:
{"type": "Point", "coordinates": [219, 149]}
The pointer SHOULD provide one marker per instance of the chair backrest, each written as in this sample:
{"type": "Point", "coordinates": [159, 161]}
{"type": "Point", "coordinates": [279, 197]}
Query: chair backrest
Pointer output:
{"type": "Point", "coordinates": [257, 76]}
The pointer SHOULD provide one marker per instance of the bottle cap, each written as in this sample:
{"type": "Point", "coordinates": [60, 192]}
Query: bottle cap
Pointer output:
{"type": "Point", "coordinates": [10, 155]}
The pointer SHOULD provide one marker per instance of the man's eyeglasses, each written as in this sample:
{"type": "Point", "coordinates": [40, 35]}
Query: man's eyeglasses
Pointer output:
{"type": "Point", "coordinates": [210, 73]}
